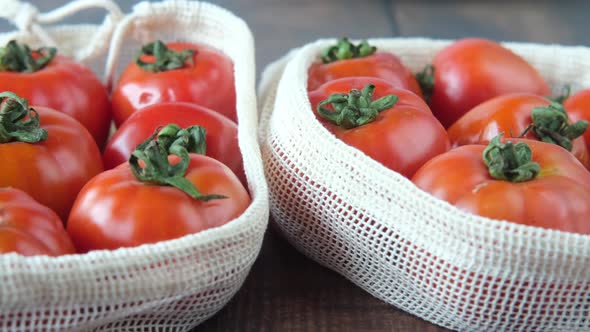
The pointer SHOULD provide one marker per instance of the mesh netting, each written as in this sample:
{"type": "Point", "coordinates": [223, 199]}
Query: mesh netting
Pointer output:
{"type": "Point", "coordinates": [168, 286]}
{"type": "Point", "coordinates": [402, 245]}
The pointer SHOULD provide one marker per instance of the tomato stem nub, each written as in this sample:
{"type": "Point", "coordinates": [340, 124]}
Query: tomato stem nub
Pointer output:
{"type": "Point", "coordinates": [510, 162]}
{"type": "Point", "coordinates": [426, 80]}
{"type": "Point", "coordinates": [164, 58]}
{"type": "Point", "coordinates": [566, 92]}
{"type": "Point", "coordinates": [344, 50]}
{"type": "Point", "coordinates": [154, 152]}
{"type": "Point", "coordinates": [356, 108]}
{"type": "Point", "coordinates": [19, 122]}
{"type": "Point", "coordinates": [15, 57]}
{"type": "Point", "coordinates": [551, 125]}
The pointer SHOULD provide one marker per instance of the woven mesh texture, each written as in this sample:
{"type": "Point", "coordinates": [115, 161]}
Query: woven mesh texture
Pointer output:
{"type": "Point", "coordinates": [168, 286]}
{"type": "Point", "coordinates": [402, 245]}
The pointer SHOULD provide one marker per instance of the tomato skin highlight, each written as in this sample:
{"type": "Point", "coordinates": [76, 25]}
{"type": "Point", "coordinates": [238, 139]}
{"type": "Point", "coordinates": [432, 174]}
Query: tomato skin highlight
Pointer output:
{"type": "Point", "coordinates": [382, 65]}
{"type": "Point", "coordinates": [52, 171]}
{"type": "Point", "coordinates": [510, 113]}
{"type": "Point", "coordinates": [208, 82]}
{"type": "Point", "coordinates": [471, 71]}
{"type": "Point", "coordinates": [222, 133]}
{"type": "Point", "coordinates": [402, 138]}
{"type": "Point", "coordinates": [29, 228]}
{"type": "Point", "coordinates": [556, 199]}
{"type": "Point", "coordinates": [65, 86]}
{"type": "Point", "coordinates": [116, 210]}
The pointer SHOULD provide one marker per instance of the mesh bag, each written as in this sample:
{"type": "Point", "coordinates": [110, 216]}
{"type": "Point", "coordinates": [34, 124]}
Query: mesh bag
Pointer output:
{"type": "Point", "coordinates": [168, 286]}
{"type": "Point", "coordinates": [402, 245]}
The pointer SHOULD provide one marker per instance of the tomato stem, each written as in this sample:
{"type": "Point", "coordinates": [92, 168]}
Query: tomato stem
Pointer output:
{"type": "Point", "coordinates": [154, 152]}
{"type": "Point", "coordinates": [19, 122]}
{"type": "Point", "coordinates": [344, 50]}
{"type": "Point", "coordinates": [164, 58]}
{"type": "Point", "coordinates": [426, 80]}
{"type": "Point", "coordinates": [566, 92]}
{"type": "Point", "coordinates": [551, 124]}
{"type": "Point", "coordinates": [355, 108]}
{"type": "Point", "coordinates": [510, 162]}
{"type": "Point", "coordinates": [15, 57]}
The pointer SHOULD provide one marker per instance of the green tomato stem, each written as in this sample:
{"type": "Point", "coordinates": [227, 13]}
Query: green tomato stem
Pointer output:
{"type": "Point", "coordinates": [510, 162]}
{"type": "Point", "coordinates": [154, 152]}
{"type": "Point", "coordinates": [356, 108]}
{"type": "Point", "coordinates": [164, 58]}
{"type": "Point", "coordinates": [19, 122]}
{"type": "Point", "coordinates": [15, 57]}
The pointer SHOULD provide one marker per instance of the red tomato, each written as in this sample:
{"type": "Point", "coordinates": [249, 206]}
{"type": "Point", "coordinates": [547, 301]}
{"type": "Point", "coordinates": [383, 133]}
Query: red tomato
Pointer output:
{"type": "Point", "coordinates": [222, 133]}
{"type": "Point", "coordinates": [512, 113]}
{"type": "Point", "coordinates": [204, 78]}
{"type": "Point", "coordinates": [356, 63]}
{"type": "Point", "coordinates": [29, 228]}
{"type": "Point", "coordinates": [63, 85]}
{"type": "Point", "coordinates": [402, 137]}
{"type": "Point", "coordinates": [554, 194]}
{"type": "Point", "coordinates": [578, 108]}
{"type": "Point", "coordinates": [471, 71]}
{"type": "Point", "coordinates": [129, 205]}
{"type": "Point", "coordinates": [51, 170]}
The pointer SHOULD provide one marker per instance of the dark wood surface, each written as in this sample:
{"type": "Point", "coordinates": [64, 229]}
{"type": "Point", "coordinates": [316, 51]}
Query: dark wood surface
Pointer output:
{"type": "Point", "coordinates": [285, 291]}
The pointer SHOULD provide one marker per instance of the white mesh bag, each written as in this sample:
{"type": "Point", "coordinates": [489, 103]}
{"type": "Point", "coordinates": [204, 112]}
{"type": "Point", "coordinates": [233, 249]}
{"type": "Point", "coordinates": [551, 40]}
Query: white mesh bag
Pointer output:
{"type": "Point", "coordinates": [402, 245]}
{"type": "Point", "coordinates": [168, 286]}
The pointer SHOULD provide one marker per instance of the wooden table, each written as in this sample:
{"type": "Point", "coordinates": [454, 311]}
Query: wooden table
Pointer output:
{"type": "Point", "coordinates": [285, 291]}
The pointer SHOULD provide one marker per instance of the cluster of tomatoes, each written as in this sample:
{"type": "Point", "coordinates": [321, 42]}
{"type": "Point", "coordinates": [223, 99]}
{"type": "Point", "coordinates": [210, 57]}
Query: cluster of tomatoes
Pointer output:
{"type": "Point", "coordinates": [476, 128]}
{"type": "Point", "coordinates": [173, 166]}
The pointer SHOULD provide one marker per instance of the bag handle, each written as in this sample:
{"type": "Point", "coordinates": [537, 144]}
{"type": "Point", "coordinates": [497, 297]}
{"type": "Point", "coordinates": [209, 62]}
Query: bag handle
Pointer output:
{"type": "Point", "coordinates": [27, 18]}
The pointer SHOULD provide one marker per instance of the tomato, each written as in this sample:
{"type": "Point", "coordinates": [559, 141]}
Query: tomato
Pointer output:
{"type": "Point", "coordinates": [49, 155]}
{"type": "Point", "coordinates": [471, 71]}
{"type": "Point", "coordinates": [222, 133]}
{"type": "Point", "coordinates": [348, 60]}
{"type": "Point", "coordinates": [58, 82]}
{"type": "Point", "coordinates": [29, 228]}
{"type": "Point", "coordinates": [398, 131]}
{"type": "Point", "coordinates": [514, 113]}
{"type": "Point", "coordinates": [156, 197]}
{"type": "Point", "coordinates": [186, 72]}
{"type": "Point", "coordinates": [545, 186]}
{"type": "Point", "coordinates": [578, 108]}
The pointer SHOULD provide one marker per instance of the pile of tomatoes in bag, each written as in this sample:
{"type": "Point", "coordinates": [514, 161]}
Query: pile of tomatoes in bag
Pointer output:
{"type": "Point", "coordinates": [171, 168]}
{"type": "Point", "coordinates": [477, 128]}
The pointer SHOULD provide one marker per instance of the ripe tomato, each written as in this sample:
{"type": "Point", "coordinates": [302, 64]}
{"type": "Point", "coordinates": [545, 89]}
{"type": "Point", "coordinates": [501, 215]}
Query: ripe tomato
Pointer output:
{"type": "Point", "coordinates": [471, 71]}
{"type": "Point", "coordinates": [192, 73]}
{"type": "Point", "coordinates": [578, 108]}
{"type": "Point", "coordinates": [527, 182]}
{"type": "Point", "coordinates": [348, 60]}
{"type": "Point", "coordinates": [29, 228]}
{"type": "Point", "coordinates": [156, 197]}
{"type": "Point", "coordinates": [221, 138]}
{"type": "Point", "coordinates": [55, 81]}
{"type": "Point", "coordinates": [45, 153]}
{"type": "Point", "coordinates": [398, 131]}
{"type": "Point", "coordinates": [514, 113]}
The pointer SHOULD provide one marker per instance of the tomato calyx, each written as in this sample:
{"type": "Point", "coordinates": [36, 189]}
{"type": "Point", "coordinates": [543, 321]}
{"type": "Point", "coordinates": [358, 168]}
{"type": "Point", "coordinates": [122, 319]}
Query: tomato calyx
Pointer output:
{"type": "Point", "coordinates": [19, 122]}
{"type": "Point", "coordinates": [510, 162]}
{"type": "Point", "coordinates": [355, 108]}
{"type": "Point", "coordinates": [425, 79]}
{"type": "Point", "coordinates": [15, 57]}
{"type": "Point", "coordinates": [164, 58]}
{"type": "Point", "coordinates": [154, 152]}
{"type": "Point", "coordinates": [551, 125]}
{"type": "Point", "coordinates": [344, 50]}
